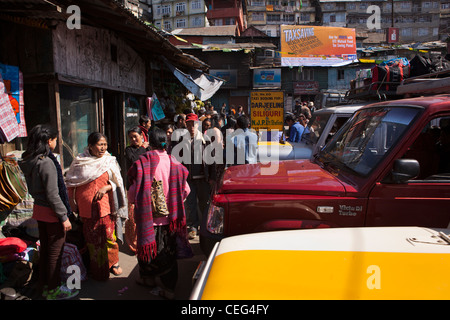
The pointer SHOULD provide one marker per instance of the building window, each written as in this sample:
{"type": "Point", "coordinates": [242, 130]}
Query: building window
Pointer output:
{"type": "Point", "coordinates": [218, 22]}
{"type": "Point", "coordinates": [351, 6]}
{"type": "Point", "coordinates": [258, 16]}
{"type": "Point", "coordinates": [426, 18]}
{"type": "Point", "coordinates": [257, 2]}
{"type": "Point", "coordinates": [341, 74]}
{"type": "Point", "coordinates": [273, 18]}
{"type": "Point", "coordinates": [166, 10]}
{"type": "Point", "coordinates": [268, 53]}
{"type": "Point", "coordinates": [181, 23]}
{"type": "Point", "coordinates": [405, 5]}
{"type": "Point", "coordinates": [274, 2]}
{"type": "Point", "coordinates": [230, 21]}
{"type": "Point", "coordinates": [196, 5]}
{"type": "Point", "coordinates": [180, 7]}
{"type": "Point", "coordinates": [422, 31]}
{"type": "Point", "coordinates": [288, 18]}
{"type": "Point", "coordinates": [303, 74]}
{"type": "Point", "coordinates": [406, 32]}
{"type": "Point", "coordinates": [197, 22]}
{"type": "Point", "coordinates": [305, 17]}
{"type": "Point", "coordinates": [167, 25]}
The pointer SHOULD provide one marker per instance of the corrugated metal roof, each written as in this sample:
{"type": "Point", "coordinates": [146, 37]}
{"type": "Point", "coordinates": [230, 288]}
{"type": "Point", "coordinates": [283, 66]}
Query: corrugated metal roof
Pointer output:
{"type": "Point", "coordinates": [218, 31]}
{"type": "Point", "coordinates": [230, 46]}
{"type": "Point", "coordinates": [322, 1]}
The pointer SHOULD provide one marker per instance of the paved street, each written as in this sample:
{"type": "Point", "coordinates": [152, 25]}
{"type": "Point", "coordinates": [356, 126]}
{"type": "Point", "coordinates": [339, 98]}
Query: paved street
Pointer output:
{"type": "Point", "coordinates": [124, 287]}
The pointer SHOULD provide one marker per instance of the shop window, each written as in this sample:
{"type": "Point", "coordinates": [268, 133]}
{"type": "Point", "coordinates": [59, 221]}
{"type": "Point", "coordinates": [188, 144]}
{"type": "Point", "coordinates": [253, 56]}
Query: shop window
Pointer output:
{"type": "Point", "coordinates": [132, 112]}
{"type": "Point", "coordinates": [36, 98]}
{"type": "Point", "coordinates": [78, 120]}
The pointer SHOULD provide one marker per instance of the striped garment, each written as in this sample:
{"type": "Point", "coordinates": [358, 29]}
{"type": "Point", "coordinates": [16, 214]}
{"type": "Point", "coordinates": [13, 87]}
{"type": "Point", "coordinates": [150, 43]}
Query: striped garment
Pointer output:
{"type": "Point", "coordinates": [141, 175]}
{"type": "Point", "coordinates": [8, 122]}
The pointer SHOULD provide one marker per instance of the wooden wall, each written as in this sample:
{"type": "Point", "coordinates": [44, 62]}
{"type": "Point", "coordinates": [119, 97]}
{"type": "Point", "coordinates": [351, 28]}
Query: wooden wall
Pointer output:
{"type": "Point", "coordinates": [97, 57]}
{"type": "Point", "coordinates": [27, 47]}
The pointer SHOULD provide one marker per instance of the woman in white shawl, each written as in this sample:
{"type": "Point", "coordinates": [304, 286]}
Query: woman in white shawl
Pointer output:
{"type": "Point", "coordinates": [97, 193]}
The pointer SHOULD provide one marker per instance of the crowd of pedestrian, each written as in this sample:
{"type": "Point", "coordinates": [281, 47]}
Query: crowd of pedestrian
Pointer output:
{"type": "Point", "coordinates": [154, 207]}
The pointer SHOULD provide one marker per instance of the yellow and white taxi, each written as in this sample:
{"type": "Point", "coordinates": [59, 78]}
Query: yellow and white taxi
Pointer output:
{"type": "Point", "coordinates": [337, 263]}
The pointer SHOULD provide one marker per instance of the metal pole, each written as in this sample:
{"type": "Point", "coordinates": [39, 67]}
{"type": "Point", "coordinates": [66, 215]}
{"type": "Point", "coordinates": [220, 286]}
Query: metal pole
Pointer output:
{"type": "Point", "coordinates": [392, 14]}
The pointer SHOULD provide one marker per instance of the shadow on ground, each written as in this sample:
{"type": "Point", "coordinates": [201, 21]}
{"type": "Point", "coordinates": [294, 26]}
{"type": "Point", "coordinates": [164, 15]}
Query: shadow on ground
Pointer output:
{"type": "Point", "coordinates": [124, 287]}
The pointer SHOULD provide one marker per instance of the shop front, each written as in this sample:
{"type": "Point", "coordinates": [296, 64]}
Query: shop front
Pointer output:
{"type": "Point", "coordinates": [76, 93]}
{"type": "Point", "coordinates": [94, 78]}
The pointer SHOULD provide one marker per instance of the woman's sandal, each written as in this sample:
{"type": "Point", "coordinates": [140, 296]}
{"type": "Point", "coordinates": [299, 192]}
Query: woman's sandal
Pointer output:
{"type": "Point", "coordinates": [116, 270]}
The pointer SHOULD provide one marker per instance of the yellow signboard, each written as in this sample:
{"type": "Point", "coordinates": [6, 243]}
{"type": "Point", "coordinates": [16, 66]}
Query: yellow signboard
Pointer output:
{"type": "Point", "coordinates": [267, 109]}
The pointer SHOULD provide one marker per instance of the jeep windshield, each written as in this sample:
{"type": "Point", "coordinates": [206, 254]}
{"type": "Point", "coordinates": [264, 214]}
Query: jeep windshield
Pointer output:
{"type": "Point", "coordinates": [367, 138]}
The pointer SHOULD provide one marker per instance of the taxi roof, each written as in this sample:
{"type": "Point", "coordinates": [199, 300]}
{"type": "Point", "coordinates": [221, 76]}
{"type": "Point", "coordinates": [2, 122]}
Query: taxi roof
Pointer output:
{"type": "Point", "coordinates": [336, 263]}
{"type": "Point", "coordinates": [363, 239]}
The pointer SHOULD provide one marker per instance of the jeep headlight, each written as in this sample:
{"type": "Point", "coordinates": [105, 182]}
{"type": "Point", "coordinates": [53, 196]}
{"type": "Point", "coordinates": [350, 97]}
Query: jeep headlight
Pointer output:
{"type": "Point", "coordinates": [214, 222]}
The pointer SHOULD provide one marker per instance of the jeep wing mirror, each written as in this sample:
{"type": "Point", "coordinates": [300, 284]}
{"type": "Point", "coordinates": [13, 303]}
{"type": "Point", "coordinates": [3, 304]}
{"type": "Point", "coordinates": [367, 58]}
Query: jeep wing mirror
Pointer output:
{"type": "Point", "coordinates": [404, 170]}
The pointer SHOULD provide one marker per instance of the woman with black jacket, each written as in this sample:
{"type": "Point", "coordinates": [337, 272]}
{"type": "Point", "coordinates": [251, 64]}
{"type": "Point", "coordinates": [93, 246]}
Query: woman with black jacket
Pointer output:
{"type": "Point", "coordinates": [51, 208]}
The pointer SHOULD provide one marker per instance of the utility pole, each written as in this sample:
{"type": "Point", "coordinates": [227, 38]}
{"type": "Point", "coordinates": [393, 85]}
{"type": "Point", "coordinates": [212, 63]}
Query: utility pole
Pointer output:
{"type": "Point", "coordinates": [392, 13]}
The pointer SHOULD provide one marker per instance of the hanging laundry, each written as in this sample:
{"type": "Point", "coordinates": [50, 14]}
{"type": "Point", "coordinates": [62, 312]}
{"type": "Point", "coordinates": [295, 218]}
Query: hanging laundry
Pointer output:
{"type": "Point", "coordinates": [157, 111]}
{"type": "Point", "coordinates": [8, 121]}
{"type": "Point", "coordinates": [22, 126]}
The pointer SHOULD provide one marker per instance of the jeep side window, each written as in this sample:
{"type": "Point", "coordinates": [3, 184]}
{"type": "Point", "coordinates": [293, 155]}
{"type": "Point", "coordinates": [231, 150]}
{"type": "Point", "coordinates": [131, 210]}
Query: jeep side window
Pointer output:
{"type": "Point", "coordinates": [336, 126]}
{"type": "Point", "coordinates": [432, 150]}
{"type": "Point", "coordinates": [316, 126]}
{"type": "Point", "coordinates": [368, 137]}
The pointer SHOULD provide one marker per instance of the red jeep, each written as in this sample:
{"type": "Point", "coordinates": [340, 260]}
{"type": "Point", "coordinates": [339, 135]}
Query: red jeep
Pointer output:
{"type": "Point", "coordinates": [389, 165]}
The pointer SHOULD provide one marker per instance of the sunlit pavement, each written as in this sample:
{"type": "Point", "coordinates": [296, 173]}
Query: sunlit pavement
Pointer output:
{"type": "Point", "coordinates": [124, 287]}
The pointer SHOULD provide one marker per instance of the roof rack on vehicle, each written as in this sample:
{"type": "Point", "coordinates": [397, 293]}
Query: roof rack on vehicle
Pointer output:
{"type": "Point", "coordinates": [430, 83]}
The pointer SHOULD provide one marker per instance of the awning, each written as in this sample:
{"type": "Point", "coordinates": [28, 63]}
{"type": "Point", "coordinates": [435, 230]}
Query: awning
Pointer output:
{"type": "Point", "coordinates": [202, 85]}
